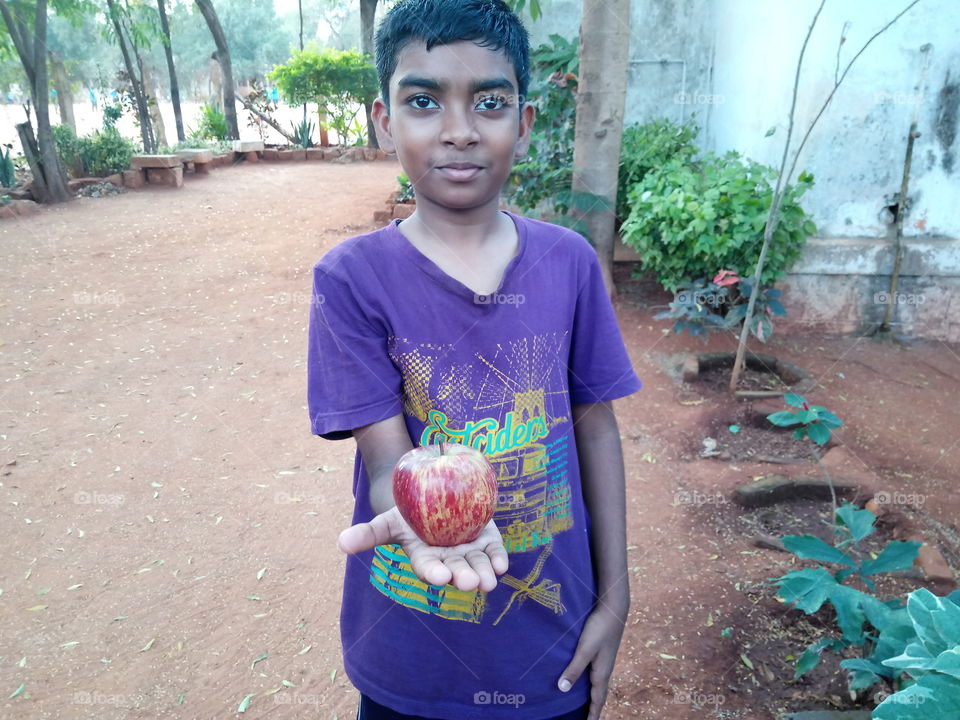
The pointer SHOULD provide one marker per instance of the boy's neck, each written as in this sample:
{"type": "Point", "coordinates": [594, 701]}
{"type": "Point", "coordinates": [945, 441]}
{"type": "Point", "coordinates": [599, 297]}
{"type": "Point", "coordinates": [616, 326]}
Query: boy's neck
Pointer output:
{"type": "Point", "coordinates": [470, 231]}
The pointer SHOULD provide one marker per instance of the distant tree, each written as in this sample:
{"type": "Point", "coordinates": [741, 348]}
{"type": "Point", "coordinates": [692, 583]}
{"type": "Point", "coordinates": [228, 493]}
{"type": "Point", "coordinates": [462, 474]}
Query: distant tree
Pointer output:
{"type": "Point", "coordinates": [171, 69]}
{"type": "Point", "coordinates": [130, 36]}
{"type": "Point", "coordinates": [368, 13]}
{"type": "Point", "coordinates": [222, 56]}
{"type": "Point", "coordinates": [26, 25]}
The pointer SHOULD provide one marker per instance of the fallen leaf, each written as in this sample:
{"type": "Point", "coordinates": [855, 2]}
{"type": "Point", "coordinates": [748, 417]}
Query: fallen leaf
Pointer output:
{"type": "Point", "coordinates": [305, 650]}
{"type": "Point", "coordinates": [37, 607]}
{"type": "Point", "coordinates": [148, 645]}
{"type": "Point", "coordinates": [260, 574]}
{"type": "Point", "coordinates": [17, 691]}
{"type": "Point", "coordinates": [746, 660]}
{"type": "Point", "coordinates": [245, 703]}
{"type": "Point", "coordinates": [259, 658]}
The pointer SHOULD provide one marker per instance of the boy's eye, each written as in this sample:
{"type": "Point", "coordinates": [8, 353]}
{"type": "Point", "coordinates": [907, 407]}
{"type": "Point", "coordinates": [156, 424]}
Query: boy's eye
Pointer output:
{"type": "Point", "coordinates": [422, 102]}
{"type": "Point", "coordinates": [492, 102]}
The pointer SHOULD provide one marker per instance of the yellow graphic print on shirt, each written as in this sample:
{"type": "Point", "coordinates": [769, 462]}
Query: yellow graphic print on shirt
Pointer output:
{"type": "Point", "coordinates": [508, 416]}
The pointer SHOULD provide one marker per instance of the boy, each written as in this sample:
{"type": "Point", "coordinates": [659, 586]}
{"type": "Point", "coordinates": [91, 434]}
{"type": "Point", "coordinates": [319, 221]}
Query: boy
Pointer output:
{"type": "Point", "coordinates": [481, 327]}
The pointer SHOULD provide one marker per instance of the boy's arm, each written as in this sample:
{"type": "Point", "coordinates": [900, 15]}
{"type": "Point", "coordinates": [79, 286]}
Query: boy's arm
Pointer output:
{"type": "Point", "coordinates": [469, 566]}
{"type": "Point", "coordinates": [604, 490]}
{"type": "Point", "coordinates": [381, 445]}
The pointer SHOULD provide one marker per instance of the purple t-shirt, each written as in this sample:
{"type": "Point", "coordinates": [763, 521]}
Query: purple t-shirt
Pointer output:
{"type": "Point", "coordinates": [390, 332]}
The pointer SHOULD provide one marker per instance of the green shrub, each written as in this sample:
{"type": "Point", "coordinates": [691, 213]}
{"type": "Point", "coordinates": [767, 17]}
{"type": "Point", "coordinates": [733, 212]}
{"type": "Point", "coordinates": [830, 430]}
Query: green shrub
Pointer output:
{"type": "Point", "coordinates": [547, 170]}
{"type": "Point", "coordinates": [341, 80]}
{"type": "Point", "coordinates": [105, 152]}
{"type": "Point", "coordinates": [647, 147]}
{"type": "Point", "coordinates": [213, 124]}
{"type": "Point", "coordinates": [8, 172]}
{"type": "Point", "coordinates": [688, 217]}
{"type": "Point", "coordinates": [68, 149]}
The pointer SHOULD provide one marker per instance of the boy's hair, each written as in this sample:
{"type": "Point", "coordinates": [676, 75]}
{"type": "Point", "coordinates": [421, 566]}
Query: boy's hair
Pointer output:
{"type": "Point", "coordinates": [489, 23]}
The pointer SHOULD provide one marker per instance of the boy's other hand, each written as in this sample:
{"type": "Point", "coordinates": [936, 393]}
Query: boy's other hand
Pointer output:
{"type": "Point", "coordinates": [597, 650]}
{"type": "Point", "coordinates": [468, 567]}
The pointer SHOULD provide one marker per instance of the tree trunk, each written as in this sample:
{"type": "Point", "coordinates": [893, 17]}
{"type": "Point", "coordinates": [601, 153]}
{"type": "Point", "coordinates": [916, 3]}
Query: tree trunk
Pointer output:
{"type": "Point", "coordinates": [368, 12]}
{"type": "Point", "coordinates": [601, 95]}
{"type": "Point", "coordinates": [174, 85]}
{"type": "Point", "coordinates": [61, 82]}
{"type": "Point", "coordinates": [50, 183]}
{"type": "Point", "coordinates": [150, 85]}
{"type": "Point", "coordinates": [223, 57]}
{"type": "Point", "coordinates": [143, 114]}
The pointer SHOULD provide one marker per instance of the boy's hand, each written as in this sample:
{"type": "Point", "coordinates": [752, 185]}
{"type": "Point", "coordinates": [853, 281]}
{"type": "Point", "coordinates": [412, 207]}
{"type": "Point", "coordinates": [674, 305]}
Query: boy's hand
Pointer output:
{"type": "Point", "coordinates": [597, 648]}
{"type": "Point", "coordinates": [468, 566]}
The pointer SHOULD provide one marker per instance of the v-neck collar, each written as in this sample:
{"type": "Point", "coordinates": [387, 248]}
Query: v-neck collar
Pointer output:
{"type": "Point", "coordinates": [448, 281]}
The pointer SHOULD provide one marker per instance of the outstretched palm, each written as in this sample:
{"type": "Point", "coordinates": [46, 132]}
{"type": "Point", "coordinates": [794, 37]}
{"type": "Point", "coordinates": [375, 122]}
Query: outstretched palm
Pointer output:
{"type": "Point", "coordinates": [468, 566]}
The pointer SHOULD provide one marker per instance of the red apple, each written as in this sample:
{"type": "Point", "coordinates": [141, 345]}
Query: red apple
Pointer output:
{"type": "Point", "coordinates": [446, 492]}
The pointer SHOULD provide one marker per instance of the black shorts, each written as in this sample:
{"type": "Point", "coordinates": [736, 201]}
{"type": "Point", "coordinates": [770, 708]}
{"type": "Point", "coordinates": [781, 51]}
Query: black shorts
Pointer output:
{"type": "Point", "coordinates": [370, 710]}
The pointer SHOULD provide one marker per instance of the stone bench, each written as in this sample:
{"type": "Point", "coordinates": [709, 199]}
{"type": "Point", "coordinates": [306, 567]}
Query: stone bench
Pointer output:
{"type": "Point", "coordinates": [252, 150]}
{"type": "Point", "coordinates": [159, 169]}
{"type": "Point", "coordinates": [200, 161]}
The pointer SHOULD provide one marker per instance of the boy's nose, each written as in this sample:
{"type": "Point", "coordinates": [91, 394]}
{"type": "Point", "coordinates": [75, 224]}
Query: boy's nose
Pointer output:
{"type": "Point", "coordinates": [459, 128]}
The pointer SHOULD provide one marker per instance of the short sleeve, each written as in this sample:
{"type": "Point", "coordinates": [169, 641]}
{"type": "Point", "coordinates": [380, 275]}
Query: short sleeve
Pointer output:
{"type": "Point", "coordinates": [351, 380]}
{"type": "Point", "coordinates": [600, 368]}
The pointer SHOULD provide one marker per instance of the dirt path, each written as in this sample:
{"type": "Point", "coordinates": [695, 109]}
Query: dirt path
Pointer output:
{"type": "Point", "coordinates": [169, 518]}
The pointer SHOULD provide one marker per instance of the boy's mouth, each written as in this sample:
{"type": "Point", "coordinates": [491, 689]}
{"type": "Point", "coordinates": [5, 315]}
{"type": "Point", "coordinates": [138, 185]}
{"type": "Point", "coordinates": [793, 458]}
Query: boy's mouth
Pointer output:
{"type": "Point", "coordinates": [459, 171]}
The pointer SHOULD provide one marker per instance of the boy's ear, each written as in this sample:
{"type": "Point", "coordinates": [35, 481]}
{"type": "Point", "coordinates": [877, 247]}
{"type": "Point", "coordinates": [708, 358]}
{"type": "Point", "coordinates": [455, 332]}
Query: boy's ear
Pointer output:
{"type": "Point", "coordinates": [527, 115]}
{"type": "Point", "coordinates": [381, 125]}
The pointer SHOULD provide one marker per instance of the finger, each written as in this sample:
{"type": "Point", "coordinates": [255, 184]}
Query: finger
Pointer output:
{"type": "Point", "coordinates": [464, 576]}
{"type": "Point", "coordinates": [574, 670]}
{"type": "Point", "coordinates": [600, 670]}
{"type": "Point", "coordinates": [499, 559]}
{"type": "Point", "coordinates": [366, 536]}
{"type": "Point", "coordinates": [598, 697]}
{"type": "Point", "coordinates": [427, 566]}
{"type": "Point", "coordinates": [481, 564]}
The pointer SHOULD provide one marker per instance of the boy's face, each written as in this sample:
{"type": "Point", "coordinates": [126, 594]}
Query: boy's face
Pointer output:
{"type": "Point", "coordinates": [454, 122]}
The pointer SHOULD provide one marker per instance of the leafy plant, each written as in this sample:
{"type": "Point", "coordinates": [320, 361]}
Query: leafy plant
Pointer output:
{"type": "Point", "coordinates": [703, 305]}
{"type": "Point", "coordinates": [111, 115]}
{"type": "Point", "coordinates": [213, 123]}
{"type": "Point", "coordinates": [340, 81]}
{"type": "Point", "coordinates": [105, 152]}
{"type": "Point", "coordinates": [645, 148]}
{"type": "Point", "coordinates": [689, 216]}
{"type": "Point", "coordinates": [303, 132]}
{"type": "Point", "coordinates": [68, 149]}
{"type": "Point", "coordinates": [547, 170]}
{"type": "Point", "coordinates": [8, 172]}
{"type": "Point", "coordinates": [814, 421]}
{"type": "Point", "coordinates": [406, 193]}
{"type": "Point", "coordinates": [808, 589]}
{"type": "Point", "coordinates": [260, 100]}
{"type": "Point", "coordinates": [931, 662]}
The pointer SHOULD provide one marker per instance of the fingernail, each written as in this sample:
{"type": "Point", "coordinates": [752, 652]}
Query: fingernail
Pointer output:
{"type": "Point", "coordinates": [564, 685]}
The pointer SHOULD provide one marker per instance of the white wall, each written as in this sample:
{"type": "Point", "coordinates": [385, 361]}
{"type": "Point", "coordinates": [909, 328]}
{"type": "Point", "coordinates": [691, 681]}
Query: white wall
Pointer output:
{"type": "Point", "coordinates": [736, 60]}
{"type": "Point", "coordinates": [857, 150]}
